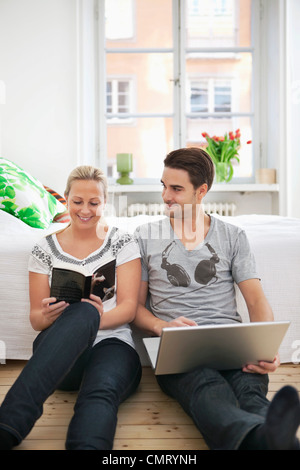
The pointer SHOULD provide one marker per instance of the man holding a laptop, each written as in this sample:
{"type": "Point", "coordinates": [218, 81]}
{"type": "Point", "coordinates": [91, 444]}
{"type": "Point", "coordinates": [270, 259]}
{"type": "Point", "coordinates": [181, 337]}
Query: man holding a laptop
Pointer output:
{"type": "Point", "coordinates": [190, 263]}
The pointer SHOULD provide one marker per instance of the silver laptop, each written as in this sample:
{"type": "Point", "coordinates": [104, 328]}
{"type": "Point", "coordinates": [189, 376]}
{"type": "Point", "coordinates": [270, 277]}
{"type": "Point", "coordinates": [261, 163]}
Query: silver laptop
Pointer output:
{"type": "Point", "coordinates": [230, 346]}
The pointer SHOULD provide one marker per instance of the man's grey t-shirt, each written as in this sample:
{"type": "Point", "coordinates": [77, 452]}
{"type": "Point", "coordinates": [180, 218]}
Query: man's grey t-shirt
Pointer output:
{"type": "Point", "coordinates": [198, 283]}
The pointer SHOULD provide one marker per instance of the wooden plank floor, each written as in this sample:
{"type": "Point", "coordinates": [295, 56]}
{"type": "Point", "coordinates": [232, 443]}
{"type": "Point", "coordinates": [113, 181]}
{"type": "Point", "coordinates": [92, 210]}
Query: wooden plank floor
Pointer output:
{"type": "Point", "coordinates": [149, 420]}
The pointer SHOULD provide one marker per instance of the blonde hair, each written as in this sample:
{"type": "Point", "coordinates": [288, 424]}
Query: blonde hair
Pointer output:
{"type": "Point", "coordinates": [87, 172]}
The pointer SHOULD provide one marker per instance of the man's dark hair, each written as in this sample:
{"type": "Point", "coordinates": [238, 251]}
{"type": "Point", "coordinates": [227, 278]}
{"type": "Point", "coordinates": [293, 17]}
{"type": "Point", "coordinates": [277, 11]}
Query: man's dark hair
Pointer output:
{"type": "Point", "coordinates": [196, 162]}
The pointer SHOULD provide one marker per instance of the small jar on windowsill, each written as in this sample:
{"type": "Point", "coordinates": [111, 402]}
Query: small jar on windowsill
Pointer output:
{"type": "Point", "coordinates": [265, 176]}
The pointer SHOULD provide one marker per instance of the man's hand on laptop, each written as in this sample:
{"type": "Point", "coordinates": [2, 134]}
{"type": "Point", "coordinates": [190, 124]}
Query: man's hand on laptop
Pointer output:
{"type": "Point", "coordinates": [181, 321]}
{"type": "Point", "coordinates": [158, 324]}
{"type": "Point", "coordinates": [263, 367]}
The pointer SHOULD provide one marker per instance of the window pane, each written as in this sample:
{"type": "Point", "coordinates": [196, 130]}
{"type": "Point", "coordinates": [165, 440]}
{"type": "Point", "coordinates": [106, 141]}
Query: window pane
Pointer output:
{"type": "Point", "coordinates": [123, 97]}
{"type": "Point", "coordinates": [151, 75]}
{"type": "Point", "coordinates": [119, 19]}
{"type": "Point", "coordinates": [222, 99]}
{"type": "Point", "coordinates": [229, 79]}
{"type": "Point", "coordinates": [123, 103]}
{"type": "Point", "coordinates": [123, 87]}
{"type": "Point", "coordinates": [148, 139]}
{"type": "Point", "coordinates": [138, 23]}
{"type": "Point", "coordinates": [199, 97]}
{"type": "Point", "coordinates": [217, 23]}
{"type": "Point", "coordinates": [218, 127]}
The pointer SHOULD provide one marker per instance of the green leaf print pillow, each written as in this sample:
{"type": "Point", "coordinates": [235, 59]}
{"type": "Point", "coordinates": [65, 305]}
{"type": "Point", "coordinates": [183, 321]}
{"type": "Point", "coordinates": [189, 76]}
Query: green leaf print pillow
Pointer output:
{"type": "Point", "coordinates": [24, 196]}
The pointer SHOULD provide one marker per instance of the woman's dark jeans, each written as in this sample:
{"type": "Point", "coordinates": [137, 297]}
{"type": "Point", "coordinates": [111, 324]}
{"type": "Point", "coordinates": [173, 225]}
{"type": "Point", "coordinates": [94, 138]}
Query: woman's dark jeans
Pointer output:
{"type": "Point", "coordinates": [63, 358]}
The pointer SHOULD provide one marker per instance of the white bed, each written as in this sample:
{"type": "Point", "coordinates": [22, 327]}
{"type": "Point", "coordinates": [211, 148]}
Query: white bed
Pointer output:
{"type": "Point", "coordinates": [275, 242]}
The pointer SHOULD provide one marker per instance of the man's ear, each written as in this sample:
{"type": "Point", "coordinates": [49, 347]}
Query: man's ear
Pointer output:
{"type": "Point", "coordinates": [201, 191]}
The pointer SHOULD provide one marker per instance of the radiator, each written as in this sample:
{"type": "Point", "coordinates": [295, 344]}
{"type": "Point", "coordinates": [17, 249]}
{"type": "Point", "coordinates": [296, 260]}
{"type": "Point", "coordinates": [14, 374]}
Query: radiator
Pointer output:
{"type": "Point", "coordinates": [221, 208]}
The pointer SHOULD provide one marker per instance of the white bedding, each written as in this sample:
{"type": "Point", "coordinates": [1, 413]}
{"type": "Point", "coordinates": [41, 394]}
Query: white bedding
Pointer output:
{"type": "Point", "coordinates": [16, 241]}
{"type": "Point", "coordinates": [275, 242]}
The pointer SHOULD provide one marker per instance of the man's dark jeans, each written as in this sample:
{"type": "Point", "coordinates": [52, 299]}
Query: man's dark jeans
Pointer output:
{"type": "Point", "coordinates": [225, 405]}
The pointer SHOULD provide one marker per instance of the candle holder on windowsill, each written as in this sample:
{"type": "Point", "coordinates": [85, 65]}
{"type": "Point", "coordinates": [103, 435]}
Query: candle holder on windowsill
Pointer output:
{"type": "Point", "coordinates": [124, 167]}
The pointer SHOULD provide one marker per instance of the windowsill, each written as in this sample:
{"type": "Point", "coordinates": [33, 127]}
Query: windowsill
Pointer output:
{"type": "Point", "coordinates": [221, 187]}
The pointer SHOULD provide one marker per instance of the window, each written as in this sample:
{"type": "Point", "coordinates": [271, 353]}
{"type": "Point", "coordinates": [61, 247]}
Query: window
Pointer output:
{"type": "Point", "coordinates": [210, 96]}
{"type": "Point", "coordinates": [189, 70]}
{"type": "Point", "coordinates": [119, 100]}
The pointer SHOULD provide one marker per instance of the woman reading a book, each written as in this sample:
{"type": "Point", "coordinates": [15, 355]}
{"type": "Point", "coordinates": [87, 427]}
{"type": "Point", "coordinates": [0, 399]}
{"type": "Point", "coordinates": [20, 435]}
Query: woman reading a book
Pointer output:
{"type": "Point", "coordinates": [85, 345]}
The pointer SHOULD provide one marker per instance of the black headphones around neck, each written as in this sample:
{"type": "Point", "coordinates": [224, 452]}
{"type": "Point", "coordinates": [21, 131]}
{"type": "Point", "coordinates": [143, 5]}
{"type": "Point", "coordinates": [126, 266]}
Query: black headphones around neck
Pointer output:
{"type": "Point", "coordinates": [177, 275]}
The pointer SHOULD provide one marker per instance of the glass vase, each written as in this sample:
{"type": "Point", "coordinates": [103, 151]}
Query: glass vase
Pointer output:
{"type": "Point", "coordinates": [222, 171]}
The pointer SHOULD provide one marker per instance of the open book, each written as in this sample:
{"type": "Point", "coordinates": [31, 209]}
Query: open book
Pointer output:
{"type": "Point", "coordinates": [72, 285]}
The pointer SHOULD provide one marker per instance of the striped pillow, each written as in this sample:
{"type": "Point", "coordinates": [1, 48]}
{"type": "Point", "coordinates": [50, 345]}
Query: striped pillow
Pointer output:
{"type": "Point", "coordinates": [56, 195]}
{"type": "Point", "coordinates": [64, 217]}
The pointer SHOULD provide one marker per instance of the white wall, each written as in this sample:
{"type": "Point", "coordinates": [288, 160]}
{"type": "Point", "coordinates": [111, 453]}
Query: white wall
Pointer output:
{"type": "Point", "coordinates": [292, 156]}
{"type": "Point", "coordinates": [50, 121]}
{"type": "Point", "coordinates": [38, 63]}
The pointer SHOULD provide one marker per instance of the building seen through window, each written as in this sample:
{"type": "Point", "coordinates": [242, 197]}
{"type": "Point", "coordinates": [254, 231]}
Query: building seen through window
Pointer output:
{"type": "Point", "coordinates": [158, 99]}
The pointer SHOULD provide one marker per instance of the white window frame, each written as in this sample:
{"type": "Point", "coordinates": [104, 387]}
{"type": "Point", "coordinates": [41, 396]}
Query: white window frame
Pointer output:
{"type": "Point", "coordinates": [179, 78]}
{"type": "Point", "coordinates": [254, 113]}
